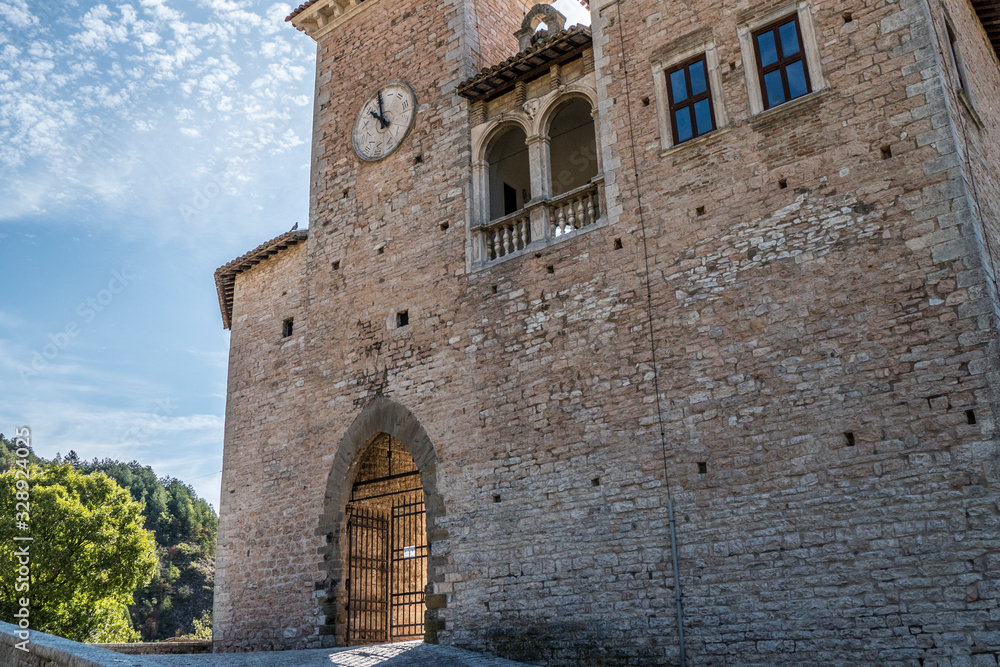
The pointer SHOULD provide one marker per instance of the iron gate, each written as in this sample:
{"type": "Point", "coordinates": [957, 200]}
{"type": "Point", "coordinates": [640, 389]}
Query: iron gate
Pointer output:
{"type": "Point", "coordinates": [387, 569]}
{"type": "Point", "coordinates": [408, 567]}
{"type": "Point", "coordinates": [368, 576]}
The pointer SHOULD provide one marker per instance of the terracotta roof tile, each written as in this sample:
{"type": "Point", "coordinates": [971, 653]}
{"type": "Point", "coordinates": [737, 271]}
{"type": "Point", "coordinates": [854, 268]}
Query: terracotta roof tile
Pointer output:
{"type": "Point", "coordinates": [298, 10]}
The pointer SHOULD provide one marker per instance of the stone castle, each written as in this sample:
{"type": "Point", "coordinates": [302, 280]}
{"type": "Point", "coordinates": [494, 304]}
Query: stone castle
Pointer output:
{"type": "Point", "coordinates": [670, 339]}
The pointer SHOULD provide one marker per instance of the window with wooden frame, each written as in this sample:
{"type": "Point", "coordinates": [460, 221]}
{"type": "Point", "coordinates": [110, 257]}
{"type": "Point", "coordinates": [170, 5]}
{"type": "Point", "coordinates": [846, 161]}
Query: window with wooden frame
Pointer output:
{"type": "Point", "coordinates": [781, 63]}
{"type": "Point", "coordinates": [690, 99]}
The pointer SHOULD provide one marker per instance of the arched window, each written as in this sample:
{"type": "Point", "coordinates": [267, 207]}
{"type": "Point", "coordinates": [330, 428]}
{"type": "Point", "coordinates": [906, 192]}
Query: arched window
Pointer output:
{"type": "Point", "coordinates": [572, 147]}
{"type": "Point", "coordinates": [509, 173]}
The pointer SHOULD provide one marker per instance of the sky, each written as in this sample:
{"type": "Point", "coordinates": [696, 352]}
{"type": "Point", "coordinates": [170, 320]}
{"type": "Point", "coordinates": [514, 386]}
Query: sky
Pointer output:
{"type": "Point", "coordinates": [143, 144]}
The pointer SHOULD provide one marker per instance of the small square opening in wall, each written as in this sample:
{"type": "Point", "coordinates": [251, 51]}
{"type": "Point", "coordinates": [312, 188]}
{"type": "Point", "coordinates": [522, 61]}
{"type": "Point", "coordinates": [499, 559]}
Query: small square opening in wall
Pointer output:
{"type": "Point", "coordinates": [336, 265]}
{"type": "Point", "coordinates": [970, 416]}
{"type": "Point", "coordinates": [596, 481]}
{"type": "Point", "coordinates": [418, 158]}
{"type": "Point", "coordinates": [886, 152]}
{"type": "Point", "coordinates": [402, 318]}
{"type": "Point", "coordinates": [287, 327]}
{"type": "Point", "coordinates": [702, 467]}
{"type": "Point", "coordinates": [444, 226]}
{"type": "Point", "coordinates": [496, 497]}
{"type": "Point", "coordinates": [848, 17]}
{"type": "Point", "coordinates": [550, 269]}
{"type": "Point", "coordinates": [849, 437]}
{"type": "Point", "coordinates": [618, 244]}
{"type": "Point", "coordinates": [782, 183]}
{"type": "Point", "coordinates": [380, 250]}
{"type": "Point", "coordinates": [645, 101]}
{"type": "Point", "coordinates": [700, 210]}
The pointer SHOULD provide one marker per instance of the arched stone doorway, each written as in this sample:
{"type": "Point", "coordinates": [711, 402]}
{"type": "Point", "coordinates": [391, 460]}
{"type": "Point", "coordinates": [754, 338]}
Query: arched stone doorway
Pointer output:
{"type": "Point", "coordinates": [361, 459]}
{"type": "Point", "coordinates": [386, 539]}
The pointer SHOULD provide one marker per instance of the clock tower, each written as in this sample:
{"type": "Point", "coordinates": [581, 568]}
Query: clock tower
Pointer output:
{"type": "Point", "coordinates": [406, 58]}
{"type": "Point", "coordinates": [386, 247]}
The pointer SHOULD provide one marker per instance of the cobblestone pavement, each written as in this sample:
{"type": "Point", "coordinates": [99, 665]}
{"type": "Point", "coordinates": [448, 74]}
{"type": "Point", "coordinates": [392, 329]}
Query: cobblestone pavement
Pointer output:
{"type": "Point", "coordinates": [403, 654]}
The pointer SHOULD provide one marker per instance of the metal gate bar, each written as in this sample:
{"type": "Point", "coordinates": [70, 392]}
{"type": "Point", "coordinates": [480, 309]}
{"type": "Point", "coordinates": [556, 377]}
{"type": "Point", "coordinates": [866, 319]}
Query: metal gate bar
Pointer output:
{"type": "Point", "coordinates": [408, 567]}
{"type": "Point", "coordinates": [367, 576]}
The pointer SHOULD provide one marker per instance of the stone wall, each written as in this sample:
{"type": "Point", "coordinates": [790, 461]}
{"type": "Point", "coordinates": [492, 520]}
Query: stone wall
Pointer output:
{"type": "Point", "coordinates": [262, 414]}
{"type": "Point", "coordinates": [850, 301]}
{"type": "Point", "coordinates": [975, 125]}
{"type": "Point", "coordinates": [785, 325]}
{"type": "Point", "coordinates": [179, 647]}
{"type": "Point", "coordinates": [46, 650]}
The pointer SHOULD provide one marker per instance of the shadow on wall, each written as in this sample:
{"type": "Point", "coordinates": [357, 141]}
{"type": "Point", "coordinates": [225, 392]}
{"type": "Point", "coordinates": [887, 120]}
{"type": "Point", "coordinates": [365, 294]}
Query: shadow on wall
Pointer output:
{"type": "Point", "coordinates": [582, 643]}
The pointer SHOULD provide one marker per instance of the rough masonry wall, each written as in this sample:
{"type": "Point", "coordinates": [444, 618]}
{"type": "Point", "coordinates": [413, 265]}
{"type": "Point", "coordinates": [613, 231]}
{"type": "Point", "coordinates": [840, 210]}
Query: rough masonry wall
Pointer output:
{"type": "Point", "coordinates": [975, 129]}
{"type": "Point", "coordinates": [258, 535]}
{"type": "Point", "coordinates": [490, 28]}
{"type": "Point", "coordinates": [850, 301]}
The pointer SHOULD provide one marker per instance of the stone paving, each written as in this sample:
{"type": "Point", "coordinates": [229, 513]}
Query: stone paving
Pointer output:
{"type": "Point", "coordinates": [402, 654]}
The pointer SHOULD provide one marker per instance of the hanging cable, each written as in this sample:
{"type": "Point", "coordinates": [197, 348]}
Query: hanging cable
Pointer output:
{"type": "Point", "coordinates": [652, 347]}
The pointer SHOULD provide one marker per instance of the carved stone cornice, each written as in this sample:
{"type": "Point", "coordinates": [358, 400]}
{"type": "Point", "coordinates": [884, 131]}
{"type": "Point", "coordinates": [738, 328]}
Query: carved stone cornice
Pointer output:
{"type": "Point", "coordinates": [319, 17]}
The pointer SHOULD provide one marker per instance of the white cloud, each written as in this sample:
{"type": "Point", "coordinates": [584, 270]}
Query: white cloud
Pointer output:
{"type": "Point", "coordinates": [159, 10]}
{"type": "Point", "coordinates": [81, 101]}
{"type": "Point", "coordinates": [16, 13]}
{"type": "Point", "coordinates": [9, 320]}
{"type": "Point", "coordinates": [76, 404]}
{"type": "Point", "coordinates": [289, 139]}
{"type": "Point", "coordinates": [149, 38]}
{"type": "Point", "coordinates": [97, 32]}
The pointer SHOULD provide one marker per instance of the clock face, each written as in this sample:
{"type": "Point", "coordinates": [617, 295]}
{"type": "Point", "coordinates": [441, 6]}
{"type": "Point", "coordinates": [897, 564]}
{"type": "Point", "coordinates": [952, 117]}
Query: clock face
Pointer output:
{"type": "Point", "coordinates": [383, 121]}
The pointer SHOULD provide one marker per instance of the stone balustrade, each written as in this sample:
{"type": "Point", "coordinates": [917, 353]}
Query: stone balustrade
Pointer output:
{"type": "Point", "coordinates": [574, 210]}
{"type": "Point", "coordinates": [507, 235]}
{"type": "Point", "coordinates": [540, 223]}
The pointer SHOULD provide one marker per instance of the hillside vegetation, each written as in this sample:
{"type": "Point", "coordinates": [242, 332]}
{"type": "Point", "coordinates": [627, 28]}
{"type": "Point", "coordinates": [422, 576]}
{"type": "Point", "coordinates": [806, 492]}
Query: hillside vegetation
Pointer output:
{"type": "Point", "coordinates": [177, 600]}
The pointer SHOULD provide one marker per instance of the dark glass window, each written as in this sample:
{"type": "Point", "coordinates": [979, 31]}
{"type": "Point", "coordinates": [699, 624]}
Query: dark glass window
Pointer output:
{"type": "Point", "coordinates": [781, 62]}
{"type": "Point", "coordinates": [690, 100]}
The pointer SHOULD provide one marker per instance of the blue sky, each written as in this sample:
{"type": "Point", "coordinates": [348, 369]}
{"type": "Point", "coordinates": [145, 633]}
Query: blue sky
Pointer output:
{"type": "Point", "coordinates": [143, 144]}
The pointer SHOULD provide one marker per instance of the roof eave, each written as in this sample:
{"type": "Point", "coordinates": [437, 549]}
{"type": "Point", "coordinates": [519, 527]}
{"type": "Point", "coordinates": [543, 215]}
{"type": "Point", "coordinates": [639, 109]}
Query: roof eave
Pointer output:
{"type": "Point", "coordinates": [494, 81]}
{"type": "Point", "coordinates": [225, 275]}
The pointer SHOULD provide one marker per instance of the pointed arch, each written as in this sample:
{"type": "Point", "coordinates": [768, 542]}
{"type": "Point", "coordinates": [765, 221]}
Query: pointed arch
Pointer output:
{"type": "Point", "coordinates": [380, 416]}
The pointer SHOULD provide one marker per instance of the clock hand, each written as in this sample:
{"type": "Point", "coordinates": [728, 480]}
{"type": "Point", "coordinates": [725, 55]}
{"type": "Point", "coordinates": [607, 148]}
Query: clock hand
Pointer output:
{"type": "Point", "coordinates": [381, 119]}
{"type": "Point", "coordinates": [381, 111]}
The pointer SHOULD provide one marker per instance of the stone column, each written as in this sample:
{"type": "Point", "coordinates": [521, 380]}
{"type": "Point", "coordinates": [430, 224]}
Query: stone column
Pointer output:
{"type": "Point", "coordinates": [480, 206]}
{"type": "Point", "coordinates": [539, 162]}
{"type": "Point", "coordinates": [598, 143]}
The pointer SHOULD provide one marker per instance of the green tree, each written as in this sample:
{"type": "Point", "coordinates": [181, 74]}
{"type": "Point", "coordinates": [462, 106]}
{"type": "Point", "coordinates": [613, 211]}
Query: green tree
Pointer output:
{"type": "Point", "coordinates": [202, 627]}
{"type": "Point", "coordinates": [89, 554]}
{"type": "Point", "coordinates": [8, 453]}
